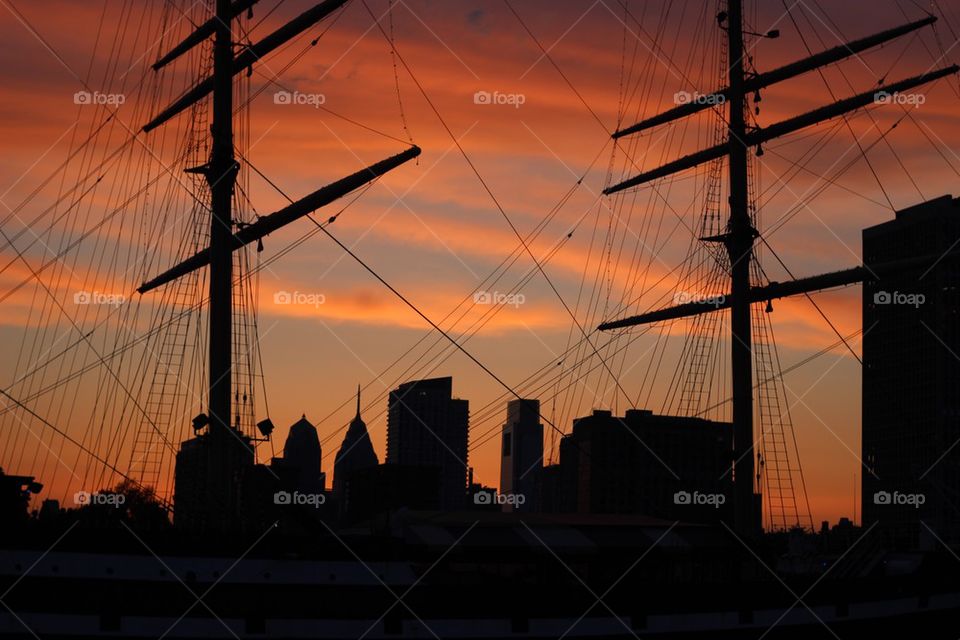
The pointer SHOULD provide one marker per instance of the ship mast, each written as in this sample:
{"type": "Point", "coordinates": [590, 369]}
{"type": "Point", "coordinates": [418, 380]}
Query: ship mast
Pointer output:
{"type": "Point", "coordinates": [740, 233]}
{"type": "Point", "coordinates": [213, 505]}
{"type": "Point", "coordinates": [739, 244]}
{"type": "Point", "coordinates": [221, 176]}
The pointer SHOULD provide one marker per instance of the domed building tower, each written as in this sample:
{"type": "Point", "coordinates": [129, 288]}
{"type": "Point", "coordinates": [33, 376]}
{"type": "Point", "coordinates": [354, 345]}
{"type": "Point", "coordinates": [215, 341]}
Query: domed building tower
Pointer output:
{"type": "Point", "coordinates": [302, 453]}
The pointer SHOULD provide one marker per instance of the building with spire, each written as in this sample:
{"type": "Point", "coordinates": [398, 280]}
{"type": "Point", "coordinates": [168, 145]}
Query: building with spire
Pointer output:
{"type": "Point", "coordinates": [355, 453]}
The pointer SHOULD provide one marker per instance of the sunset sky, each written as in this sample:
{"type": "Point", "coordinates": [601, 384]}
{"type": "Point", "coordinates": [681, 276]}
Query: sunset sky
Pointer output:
{"type": "Point", "coordinates": [436, 228]}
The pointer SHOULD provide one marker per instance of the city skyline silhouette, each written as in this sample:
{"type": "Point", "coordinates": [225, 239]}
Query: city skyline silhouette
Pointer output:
{"type": "Point", "coordinates": [317, 326]}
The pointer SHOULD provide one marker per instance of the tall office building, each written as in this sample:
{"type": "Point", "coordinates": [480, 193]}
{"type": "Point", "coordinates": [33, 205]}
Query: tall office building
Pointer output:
{"type": "Point", "coordinates": [911, 376]}
{"type": "Point", "coordinates": [669, 467]}
{"type": "Point", "coordinates": [427, 426]}
{"type": "Point", "coordinates": [521, 455]}
{"type": "Point", "coordinates": [297, 473]}
{"type": "Point", "coordinates": [355, 453]}
{"type": "Point", "coordinates": [303, 455]}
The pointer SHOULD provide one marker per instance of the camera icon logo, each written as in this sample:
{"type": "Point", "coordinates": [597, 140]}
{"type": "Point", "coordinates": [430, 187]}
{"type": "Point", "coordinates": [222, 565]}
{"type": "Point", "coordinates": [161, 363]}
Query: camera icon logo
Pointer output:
{"type": "Point", "coordinates": [82, 97]}
{"type": "Point", "coordinates": [282, 497]}
{"type": "Point", "coordinates": [483, 297]}
{"type": "Point", "coordinates": [282, 297]}
{"type": "Point", "coordinates": [682, 97]}
{"type": "Point", "coordinates": [81, 297]}
{"type": "Point", "coordinates": [882, 297]}
{"type": "Point", "coordinates": [682, 497]}
{"type": "Point", "coordinates": [81, 498]}
{"type": "Point", "coordinates": [282, 97]}
{"type": "Point", "coordinates": [482, 97]}
{"type": "Point", "coordinates": [881, 497]}
{"type": "Point", "coordinates": [482, 497]}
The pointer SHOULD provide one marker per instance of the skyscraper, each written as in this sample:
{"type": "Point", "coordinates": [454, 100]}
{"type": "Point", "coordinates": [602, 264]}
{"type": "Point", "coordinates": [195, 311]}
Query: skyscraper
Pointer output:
{"type": "Point", "coordinates": [521, 455]}
{"type": "Point", "coordinates": [671, 467]}
{"type": "Point", "coordinates": [296, 476]}
{"type": "Point", "coordinates": [911, 376]}
{"type": "Point", "coordinates": [355, 453]}
{"type": "Point", "coordinates": [427, 426]}
{"type": "Point", "coordinates": [302, 454]}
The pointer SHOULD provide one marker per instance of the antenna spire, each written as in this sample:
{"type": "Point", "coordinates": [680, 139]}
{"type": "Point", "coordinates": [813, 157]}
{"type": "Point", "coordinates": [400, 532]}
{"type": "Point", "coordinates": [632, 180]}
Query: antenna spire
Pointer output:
{"type": "Point", "coordinates": [358, 399]}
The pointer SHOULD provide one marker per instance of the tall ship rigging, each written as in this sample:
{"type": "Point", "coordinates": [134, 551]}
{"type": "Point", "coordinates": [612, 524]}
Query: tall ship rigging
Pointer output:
{"type": "Point", "coordinates": [211, 567]}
